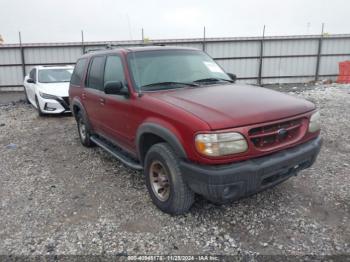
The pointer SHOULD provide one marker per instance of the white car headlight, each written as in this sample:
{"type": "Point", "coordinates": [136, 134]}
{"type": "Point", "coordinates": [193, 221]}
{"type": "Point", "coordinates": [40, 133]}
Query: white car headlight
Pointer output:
{"type": "Point", "coordinates": [315, 123]}
{"type": "Point", "coordinates": [220, 144]}
{"type": "Point", "coordinates": [47, 96]}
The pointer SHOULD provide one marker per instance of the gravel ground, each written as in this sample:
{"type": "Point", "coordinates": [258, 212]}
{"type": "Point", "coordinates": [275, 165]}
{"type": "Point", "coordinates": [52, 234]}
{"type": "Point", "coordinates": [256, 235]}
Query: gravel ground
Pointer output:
{"type": "Point", "coordinates": [10, 97]}
{"type": "Point", "coordinates": [58, 197]}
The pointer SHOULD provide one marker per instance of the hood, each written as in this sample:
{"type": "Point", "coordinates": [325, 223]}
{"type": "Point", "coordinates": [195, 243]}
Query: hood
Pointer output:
{"type": "Point", "coordinates": [227, 106]}
{"type": "Point", "coordinates": [56, 89]}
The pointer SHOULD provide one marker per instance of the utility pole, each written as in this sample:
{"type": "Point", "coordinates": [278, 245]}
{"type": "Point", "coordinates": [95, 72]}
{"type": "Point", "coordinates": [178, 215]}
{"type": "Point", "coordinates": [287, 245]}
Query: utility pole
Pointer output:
{"type": "Point", "coordinates": [319, 52]}
{"type": "Point", "coordinates": [82, 42]}
{"type": "Point", "coordinates": [22, 54]}
{"type": "Point", "coordinates": [204, 39]}
{"type": "Point", "coordinates": [261, 57]}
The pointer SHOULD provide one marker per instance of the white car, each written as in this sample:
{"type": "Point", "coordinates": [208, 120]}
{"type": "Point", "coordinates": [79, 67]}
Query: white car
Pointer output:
{"type": "Point", "coordinates": [46, 88]}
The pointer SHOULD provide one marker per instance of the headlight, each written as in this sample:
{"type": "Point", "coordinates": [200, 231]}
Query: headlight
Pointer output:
{"type": "Point", "coordinates": [47, 96]}
{"type": "Point", "coordinates": [220, 144]}
{"type": "Point", "coordinates": [315, 123]}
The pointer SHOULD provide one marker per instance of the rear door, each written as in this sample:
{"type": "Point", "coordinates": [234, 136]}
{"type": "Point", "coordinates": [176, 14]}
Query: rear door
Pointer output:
{"type": "Point", "coordinates": [93, 91]}
{"type": "Point", "coordinates": [76, 81]}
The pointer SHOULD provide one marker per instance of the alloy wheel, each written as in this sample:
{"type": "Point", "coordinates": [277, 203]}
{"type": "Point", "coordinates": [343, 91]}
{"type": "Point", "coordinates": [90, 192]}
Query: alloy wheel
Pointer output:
{"type": "Point", "coordinates": [160, 182]}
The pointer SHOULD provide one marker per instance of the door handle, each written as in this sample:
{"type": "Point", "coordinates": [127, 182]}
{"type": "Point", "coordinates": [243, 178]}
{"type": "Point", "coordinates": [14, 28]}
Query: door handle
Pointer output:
{"type": "Point", "coordinates": [83, 95]}
{"type": "Point", "coordinates": [102, 101]}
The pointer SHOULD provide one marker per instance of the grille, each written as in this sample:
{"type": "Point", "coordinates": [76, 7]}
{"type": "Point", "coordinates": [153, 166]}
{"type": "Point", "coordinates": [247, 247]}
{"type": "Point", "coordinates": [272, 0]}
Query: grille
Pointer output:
{"type": "Point", "coordinates": [66, 100]}
{"type": "Point", "coordinates": [270, 136]}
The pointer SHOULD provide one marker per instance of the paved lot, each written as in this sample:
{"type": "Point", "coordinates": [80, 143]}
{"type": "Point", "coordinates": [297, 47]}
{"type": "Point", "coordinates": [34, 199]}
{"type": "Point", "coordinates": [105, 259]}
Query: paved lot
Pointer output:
{"type": "Point", "coordinates": [58, 197]}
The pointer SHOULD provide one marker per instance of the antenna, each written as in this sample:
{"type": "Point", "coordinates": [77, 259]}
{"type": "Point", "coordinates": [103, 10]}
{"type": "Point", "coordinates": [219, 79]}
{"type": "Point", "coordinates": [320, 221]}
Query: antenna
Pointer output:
{"type": "Point", "coordinates": [204, 38]}
{"type": "Point", "coordinates": [82, 42]}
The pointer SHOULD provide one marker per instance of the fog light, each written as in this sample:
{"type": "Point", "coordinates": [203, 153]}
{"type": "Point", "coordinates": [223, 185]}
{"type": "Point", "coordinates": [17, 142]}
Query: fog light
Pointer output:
{"type": "Point", "coordinates": [47, 108]}
{"type": "Point", "coordinates": [232, 191]}
{"type": "Point", "coordinates": [226, 191]}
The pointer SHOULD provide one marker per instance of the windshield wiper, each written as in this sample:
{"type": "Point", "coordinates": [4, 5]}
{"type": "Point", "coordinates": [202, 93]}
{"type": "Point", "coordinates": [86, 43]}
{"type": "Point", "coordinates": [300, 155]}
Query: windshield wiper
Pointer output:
{"type": "Point", "coordinates": [211, 80]}
{"type": "Point", "coordinates": [170, 84]}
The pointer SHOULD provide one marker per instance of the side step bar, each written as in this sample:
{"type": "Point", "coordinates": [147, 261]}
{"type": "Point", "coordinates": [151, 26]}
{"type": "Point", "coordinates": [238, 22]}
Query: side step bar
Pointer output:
{"type": "Point", "coordinates": [117, 153]}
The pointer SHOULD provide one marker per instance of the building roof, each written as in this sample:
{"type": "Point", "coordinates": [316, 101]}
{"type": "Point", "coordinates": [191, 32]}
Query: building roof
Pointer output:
{"type": "Point", "coordinates": [173, 41]}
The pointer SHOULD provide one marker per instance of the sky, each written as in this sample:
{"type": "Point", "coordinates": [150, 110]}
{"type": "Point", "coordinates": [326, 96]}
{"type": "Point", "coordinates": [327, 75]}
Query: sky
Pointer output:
{"type": "Point", "coordinates": [101, 20]}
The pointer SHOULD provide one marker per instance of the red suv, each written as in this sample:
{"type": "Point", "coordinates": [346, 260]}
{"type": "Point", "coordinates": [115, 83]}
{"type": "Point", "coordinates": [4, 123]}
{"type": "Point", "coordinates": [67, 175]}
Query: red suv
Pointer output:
{"type": "Point", "coordinates": [175, 114]}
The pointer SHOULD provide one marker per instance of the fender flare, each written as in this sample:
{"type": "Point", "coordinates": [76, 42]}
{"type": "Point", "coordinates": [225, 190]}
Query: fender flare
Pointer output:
{"type": "Point", "coordinates": [163, 133]}
{"type": "Point", "coordinates": [77, 103]}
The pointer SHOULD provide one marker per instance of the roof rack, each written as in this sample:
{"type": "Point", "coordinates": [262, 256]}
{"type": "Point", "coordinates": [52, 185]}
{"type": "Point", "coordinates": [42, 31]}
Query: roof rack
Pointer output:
{"type": "Point", "coordinates": [55, 65]}
{"type": "Point", "coordinates": [112, 46]}
{"type": "Point", "coordinates": [152, 44]}
{"type": "Point", "coordinates": [107, 47]}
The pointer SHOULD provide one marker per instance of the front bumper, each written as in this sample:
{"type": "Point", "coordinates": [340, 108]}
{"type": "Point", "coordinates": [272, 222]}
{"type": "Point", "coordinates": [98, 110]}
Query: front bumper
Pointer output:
{"type": "Point", "coordinates": [225, 183]}
{"type": "Point", "coordinates": [54, 106]}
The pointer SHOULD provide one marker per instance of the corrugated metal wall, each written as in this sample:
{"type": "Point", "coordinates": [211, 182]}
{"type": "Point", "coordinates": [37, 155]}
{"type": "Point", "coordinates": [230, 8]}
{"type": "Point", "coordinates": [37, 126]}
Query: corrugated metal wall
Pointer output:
{"type": "Point", "coordinates": [290, 59]}
{"type": "Point", "coordinates": [10, 75]}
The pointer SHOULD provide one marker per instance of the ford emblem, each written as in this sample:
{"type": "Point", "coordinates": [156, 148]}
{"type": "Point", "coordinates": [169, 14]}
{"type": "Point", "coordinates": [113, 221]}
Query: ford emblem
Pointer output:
{"type": "Point", "coordinates": [282, 133]}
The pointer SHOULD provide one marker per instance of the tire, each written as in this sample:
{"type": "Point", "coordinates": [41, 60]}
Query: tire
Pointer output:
{"type": "Point", "coordinates": [84, 131]}
{"type": "Point", "coordinates": [26, 96]}
{"type": "Point", "coordinates": [40, 113]}
{"type": "Point", "coordinates": [161, 166]}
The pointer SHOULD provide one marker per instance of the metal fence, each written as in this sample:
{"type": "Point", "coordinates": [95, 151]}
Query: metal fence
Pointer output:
{"type": "Point", "coordinates": [257, 60]}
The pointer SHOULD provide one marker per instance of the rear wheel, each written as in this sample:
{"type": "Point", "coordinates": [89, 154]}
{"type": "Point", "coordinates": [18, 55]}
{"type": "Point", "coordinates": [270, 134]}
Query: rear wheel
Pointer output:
{"type": "Point", "coordinates": [164, 181]}
{"type": "Point", "coordinates": [84, 131]}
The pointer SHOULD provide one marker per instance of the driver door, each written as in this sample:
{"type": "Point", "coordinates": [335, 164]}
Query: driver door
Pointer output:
{"type": "Point", "coordinates": [117, 110]}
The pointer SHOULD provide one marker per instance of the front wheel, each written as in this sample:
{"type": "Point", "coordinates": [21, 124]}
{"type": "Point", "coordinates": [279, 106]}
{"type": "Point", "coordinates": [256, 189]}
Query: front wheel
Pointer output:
{"type": "Point", "coordinates": [40, 113]}
{"type": "Point", "coordinates": [164, 180]}
{"type": "Point", "coordinates": [26, 96]}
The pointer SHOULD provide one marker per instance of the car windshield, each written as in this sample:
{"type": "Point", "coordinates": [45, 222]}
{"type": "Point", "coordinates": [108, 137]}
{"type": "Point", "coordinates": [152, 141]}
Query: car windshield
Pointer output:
{"type": "Point", "coordinates": [166, 69]}
{"type": "Point", "coordinates": [55, 75]}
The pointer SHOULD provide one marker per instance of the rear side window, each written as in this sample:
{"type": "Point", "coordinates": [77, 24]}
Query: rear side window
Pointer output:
{"type": "Point", "coordinates": [114, 70]}
{"type": "Point", "coordinates": [95, 79]}
{"type": "Point", "coordinates": [78, 72]}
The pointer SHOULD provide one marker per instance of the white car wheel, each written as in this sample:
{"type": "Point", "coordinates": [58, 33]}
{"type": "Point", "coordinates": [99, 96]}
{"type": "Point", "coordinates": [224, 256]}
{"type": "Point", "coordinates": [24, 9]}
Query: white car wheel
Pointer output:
{"type": "Point", "coordinates": [40, 113]}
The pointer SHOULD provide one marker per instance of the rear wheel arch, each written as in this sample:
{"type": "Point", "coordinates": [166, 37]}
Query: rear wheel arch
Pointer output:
{"type": "Point", "coordinates": [78, 108]}
{"type": "Point", "coordinates": [150, 133]}
{"type": "Point", "coordinates": [75, 109]}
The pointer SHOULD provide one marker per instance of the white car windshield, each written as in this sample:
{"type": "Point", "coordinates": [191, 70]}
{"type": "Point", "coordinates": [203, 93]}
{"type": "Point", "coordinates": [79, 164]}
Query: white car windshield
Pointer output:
{"type": "Point", "coordinates": [165, 69]}
{"type": "Point", "coordinates": [55, 75]}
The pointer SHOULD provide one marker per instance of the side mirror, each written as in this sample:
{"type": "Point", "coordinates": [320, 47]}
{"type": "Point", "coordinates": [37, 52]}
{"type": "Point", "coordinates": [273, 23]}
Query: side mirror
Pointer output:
{"type": "Point", "coordinates": [30, 81]}
{"type": "Point", "coordinates": [114, 88]}
{"type": "Point", "coordinates": [232, 76]}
